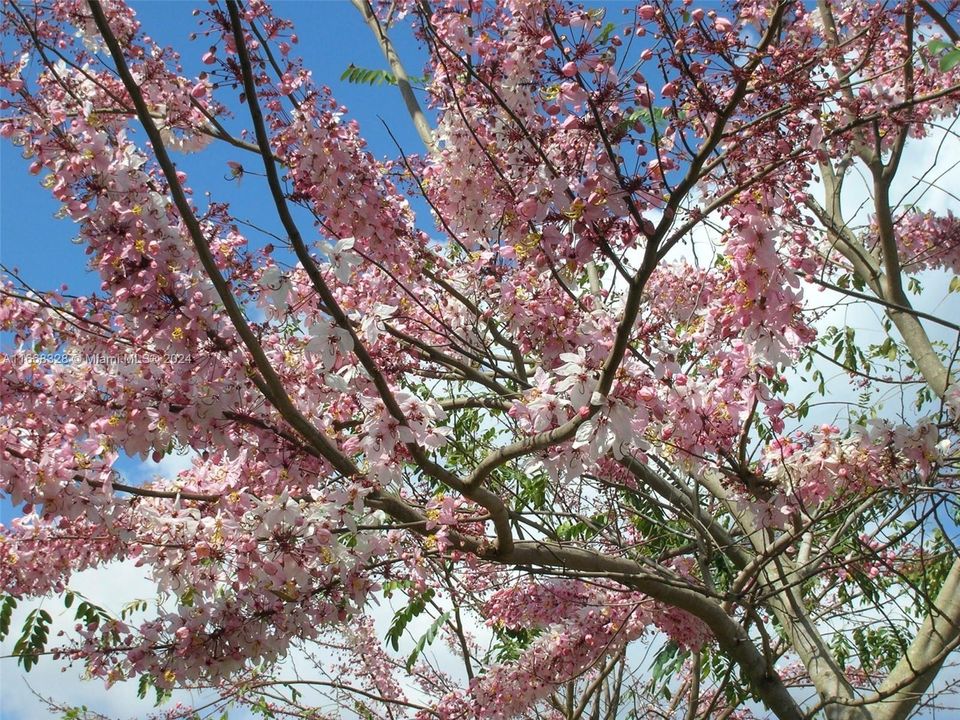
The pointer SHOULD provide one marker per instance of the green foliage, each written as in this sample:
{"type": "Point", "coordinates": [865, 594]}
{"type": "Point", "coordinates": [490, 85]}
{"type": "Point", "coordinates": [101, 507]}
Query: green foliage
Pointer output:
{"type": "Point", "coordinates": [294, 693]}
{"type": "Point", "coordinates": [816, 376]}
{"type": "Point", "coordinates": [666, 664]}
{"type": "Point", "coordinates": [366, 76]}
{"type": "Point", "coordinates": [649, 518]}
{"type": "Point", "coordinates": [950, 60]}
{"type": "Point", "coordinates": [89, 614]}
{"type": "Point", "coordinates": [362, 711]}
{"type": "Point", "coordinates": [887, 349]}
{"type": "Point", "coordinates": [75, 713]}
{"type": "Point", "coordinates": [855, 281]}
{"type": "Point", "coordinates": [7, 604]}
{"type": "Point", "coordinates": [426, 639]}
{"type": "Point", "coordinates": [146, 684]}
{"type": "Point", "coordinates": [802, 408]}
{"type": "Point", "coordinates": [469, 441]}
{"type": "Point", "coordinates": [582, 529]}
{"type": "Point", "coordinates": [655, 116]}
{"type": "Point", "coordinates": [509, 644]}
{"type": "Point", "coordinates": [875, 648]}
{"type": "Point", "coordinates": [35, 630]}
{"type": "Point", "coordinates": [261, 708]}
{"type": "Point", "coordinates": [405, 615]}
{"type": "Point", "coordinates": [846, 352]}
{"type": "Point", "coordinates": [937, 46]}
{"type": "Point", "coordinates": [719, 666]}
{"type": "Point", "coordinates": [33, 638]}
{"type": "Point", "coordinates": [605, 32]}
{"type": "Point", "coordinates": [391, 586]}
{"type": "Point", "coordinates": [879, 648]}
{"type": "Point", "coordinates": [948, 53]}
{"type": "Point", "coordinates": [930, 574]}
{"type": "Point", "coordinates": [842, 649]}
{"type": "Point", "coordinates": [532, 489]}
{"type": "Point", "coordinates": [131, 608]}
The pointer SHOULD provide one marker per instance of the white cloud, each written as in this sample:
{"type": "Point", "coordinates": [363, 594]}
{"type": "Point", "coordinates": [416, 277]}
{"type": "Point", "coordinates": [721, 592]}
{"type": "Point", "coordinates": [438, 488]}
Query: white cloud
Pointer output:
{"type": "Point", "coordinates": [111, 587]}
{"type": "Point", "coordinates": [168, 467]}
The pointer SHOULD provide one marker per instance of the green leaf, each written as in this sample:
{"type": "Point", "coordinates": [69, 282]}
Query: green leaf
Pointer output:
{"type": "Point", "coordinates": [33, 638]}
{"type": "Point", "coordinates": [92, 615]}
{"type": "Point", "coordinates": [426, 639]}
{"type": "Point", "coordinates": [605, 33]}
{"type": "Point", "coordinates": [937, 46]}
{"type": "Point", "coordinates": [389, 586]}
{"type": "Point", "coordinates": [357, 75]}
{"type": "Point", "coordinates": [666, 665]}
{"type": "Point", "coordinates": [262, 708]}
{"type": "Point", "coordinates": [404, 615]}
{"type": "Point", "coordinates": [7, 604]}
{"type": "Point", "coordinates": [511, 643]}
{"type": "Point", "coordinates": [147, 682]}
{"type": "Point", "coordinates": [574, 531]}
{"type": "Point", "coordinates": [950, 60]}
{"type": "Point", "coordinates": [131, 607]}
{"type": "Point", "coordinates": [533, 489]}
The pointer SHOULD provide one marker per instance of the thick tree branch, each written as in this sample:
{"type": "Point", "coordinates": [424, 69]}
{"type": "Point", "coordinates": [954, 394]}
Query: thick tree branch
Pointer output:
{"type": "Point", "coordinates": [416, 113]}
{"type": "Point", "coordinates": [272, 385]}
{"type": "Point", "coordinates": [937, 637]}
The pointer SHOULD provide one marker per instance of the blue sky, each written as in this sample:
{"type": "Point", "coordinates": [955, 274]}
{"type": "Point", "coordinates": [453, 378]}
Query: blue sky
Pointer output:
{"type": "Point", "coordinates": [332, 36]}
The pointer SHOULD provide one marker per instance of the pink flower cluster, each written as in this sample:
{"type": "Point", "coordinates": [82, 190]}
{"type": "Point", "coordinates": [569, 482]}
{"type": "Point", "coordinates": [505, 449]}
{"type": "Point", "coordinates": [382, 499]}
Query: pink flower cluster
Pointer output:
{"type": "Point", "coordinates": [581, 624]}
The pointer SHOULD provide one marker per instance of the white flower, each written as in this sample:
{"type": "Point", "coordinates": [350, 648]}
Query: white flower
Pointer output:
{"type": "Point", "coordinates": [372, 324]}
{"type": "Point", "coordinates": [182, 140]}
{"type": "Point", "coordinates": [343, 259]}
{"type": "Point", "coordinates": [577, 381]}
{"type": "Point", "coordinates": [276, 285]}
{"type": "Point", "coordinates": [326, 339]}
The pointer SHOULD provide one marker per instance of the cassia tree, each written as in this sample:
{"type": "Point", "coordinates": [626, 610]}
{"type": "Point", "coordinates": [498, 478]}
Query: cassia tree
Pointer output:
{"type": "Point", "coordinates": [541, 380]}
